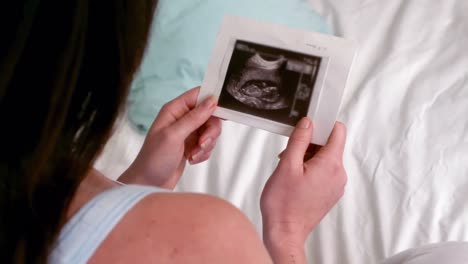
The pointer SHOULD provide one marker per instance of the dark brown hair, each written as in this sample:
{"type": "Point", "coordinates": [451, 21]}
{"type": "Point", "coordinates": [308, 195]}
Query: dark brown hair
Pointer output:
{"type": "Point", "coordinates": [65, 70]}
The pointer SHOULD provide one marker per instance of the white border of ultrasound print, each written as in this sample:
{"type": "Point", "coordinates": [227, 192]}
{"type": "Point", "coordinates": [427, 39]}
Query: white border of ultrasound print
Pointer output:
{"type": "Point", "coordinates": [337, 57]}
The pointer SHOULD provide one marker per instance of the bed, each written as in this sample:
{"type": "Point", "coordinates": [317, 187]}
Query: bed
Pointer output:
{"type": "Point", "coordinates": [406, 108]}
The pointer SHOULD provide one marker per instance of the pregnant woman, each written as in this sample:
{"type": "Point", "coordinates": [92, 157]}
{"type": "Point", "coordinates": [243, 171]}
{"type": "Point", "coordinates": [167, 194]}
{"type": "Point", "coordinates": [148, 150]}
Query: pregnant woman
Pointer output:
{"type": "Point", "coordinates": [65, 71]}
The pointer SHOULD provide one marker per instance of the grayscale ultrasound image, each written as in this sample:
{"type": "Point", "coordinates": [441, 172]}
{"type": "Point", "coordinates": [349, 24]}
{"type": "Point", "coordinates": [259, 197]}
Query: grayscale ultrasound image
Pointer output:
{"type": "Point", "coordinates": [270, 83]}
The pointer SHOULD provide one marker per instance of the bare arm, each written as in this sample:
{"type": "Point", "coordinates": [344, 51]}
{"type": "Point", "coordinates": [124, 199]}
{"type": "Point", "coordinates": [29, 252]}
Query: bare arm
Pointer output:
{"type": "Point", "coordinates": [301, 191]}
{"type": "Point", "coordinates": [183, 228]}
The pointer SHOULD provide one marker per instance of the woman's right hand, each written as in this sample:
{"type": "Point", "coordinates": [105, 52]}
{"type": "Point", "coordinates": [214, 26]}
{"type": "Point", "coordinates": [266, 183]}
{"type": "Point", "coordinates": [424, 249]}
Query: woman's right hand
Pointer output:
{"type": "Point", "coordinates": [301, 191]}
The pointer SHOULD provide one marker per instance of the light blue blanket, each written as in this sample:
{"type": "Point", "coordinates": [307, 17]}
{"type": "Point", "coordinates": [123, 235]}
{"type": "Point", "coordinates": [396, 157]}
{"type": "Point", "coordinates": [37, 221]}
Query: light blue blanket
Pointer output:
{"type": "Point", "coordinates": [183, 37]}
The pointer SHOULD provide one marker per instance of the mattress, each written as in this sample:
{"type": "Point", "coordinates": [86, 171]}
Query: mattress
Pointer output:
{"type": "Point", "coordinates": [406, 108]}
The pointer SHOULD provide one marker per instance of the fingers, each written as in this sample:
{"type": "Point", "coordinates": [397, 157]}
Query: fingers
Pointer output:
{"type": "Point", "coordinates": [336, 142]}
{"type": "Point", "coordinates": [202, 152]}
{"type": "Point", "coordinates": [183, 117]}
{"type": "Point", "coordinates": [211, 132]}
{"type": "Point", "coordinates": [203, 141]}
{"type": "Point", "coordinates": [280, 156]}
{"type": "Point", "coordinates": [298, 142]}
{"type": "Point", "coordinates": [199, 158]}
{"type": "Point", "coordinates": [176, 109]}
{"type": "Point", "coordinates": [310, 152]}
{"type": "Point", "coordinates": [204, 138]}
{"type": "Point", "coordinates": [194, 119]}
{"type": "Point", "coordinates": [189, 98]}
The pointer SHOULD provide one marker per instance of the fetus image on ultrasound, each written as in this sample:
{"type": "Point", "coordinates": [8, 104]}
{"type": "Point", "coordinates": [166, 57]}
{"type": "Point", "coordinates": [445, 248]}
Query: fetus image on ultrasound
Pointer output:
{"type": "Point", "coordinates": [270, 83]}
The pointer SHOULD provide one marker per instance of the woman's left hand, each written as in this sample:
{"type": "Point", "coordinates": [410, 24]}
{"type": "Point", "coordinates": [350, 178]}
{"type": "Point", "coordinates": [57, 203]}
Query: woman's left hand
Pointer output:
{"type": "Point", "coordinates": [181, 132]}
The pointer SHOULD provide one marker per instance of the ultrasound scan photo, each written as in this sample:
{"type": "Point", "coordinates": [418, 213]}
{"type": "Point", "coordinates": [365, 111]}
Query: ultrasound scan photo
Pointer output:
{"type": "Point", "coordinates": [270, 83]}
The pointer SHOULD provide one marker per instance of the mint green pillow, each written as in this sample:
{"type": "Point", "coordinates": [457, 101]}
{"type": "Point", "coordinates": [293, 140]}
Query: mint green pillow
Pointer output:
{"type": "Point", "coordinates": [183, 36]}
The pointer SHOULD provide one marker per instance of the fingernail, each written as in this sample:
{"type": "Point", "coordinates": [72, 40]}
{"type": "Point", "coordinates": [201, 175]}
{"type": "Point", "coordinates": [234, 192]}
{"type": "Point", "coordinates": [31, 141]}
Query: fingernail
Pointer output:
{"type": "Point", "coordinates": [197, 156]}
{"type": "Point", "coordinates": [209, 103]}
{"type": "Point", "coordinates": [304, 123]}
{"type": "Point", "coordinates": [206, 143]}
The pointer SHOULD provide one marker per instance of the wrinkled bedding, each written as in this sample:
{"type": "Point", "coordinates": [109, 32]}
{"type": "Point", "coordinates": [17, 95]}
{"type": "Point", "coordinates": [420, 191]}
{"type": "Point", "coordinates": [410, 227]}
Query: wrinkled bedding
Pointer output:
{"type": "Point", "coordinates": [406, 108]}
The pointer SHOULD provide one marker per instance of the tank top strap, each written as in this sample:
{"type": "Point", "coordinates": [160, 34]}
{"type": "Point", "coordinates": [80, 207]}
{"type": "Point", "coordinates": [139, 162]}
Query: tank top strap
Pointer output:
{"type": "Point", "coordinates": [88, 228]}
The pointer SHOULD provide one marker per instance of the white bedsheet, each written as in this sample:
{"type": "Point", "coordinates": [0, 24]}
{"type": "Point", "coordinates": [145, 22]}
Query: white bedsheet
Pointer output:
{"type": "Point", "coordinates": [406, 108]}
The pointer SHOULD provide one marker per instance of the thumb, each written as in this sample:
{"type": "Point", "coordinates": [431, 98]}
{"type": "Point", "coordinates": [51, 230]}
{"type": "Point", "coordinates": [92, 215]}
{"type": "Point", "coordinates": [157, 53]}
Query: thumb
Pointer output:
{"type": "Point", "coordinates": [299, 142]}
{"type": "Point", "coordinates": [195, 118]}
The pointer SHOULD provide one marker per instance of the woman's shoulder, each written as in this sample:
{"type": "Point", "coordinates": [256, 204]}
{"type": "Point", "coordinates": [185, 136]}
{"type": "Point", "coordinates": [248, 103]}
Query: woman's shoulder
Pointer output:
{"type": "Point", "coordinates": [181, 228]}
